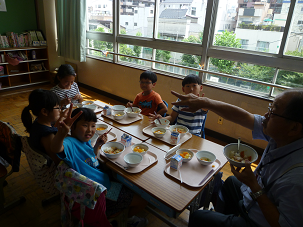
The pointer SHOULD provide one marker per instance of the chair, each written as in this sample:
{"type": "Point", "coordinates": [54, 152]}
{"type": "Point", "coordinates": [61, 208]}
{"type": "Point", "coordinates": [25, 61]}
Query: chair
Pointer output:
{"type": "Point", "coordinates": [166, 104]}
{"type": "Point", "coordinates": [74, 187]}
{"type": "Point", "coordinates": [10, 152]}
{"type": "Point", "coordinates": [43, 173]}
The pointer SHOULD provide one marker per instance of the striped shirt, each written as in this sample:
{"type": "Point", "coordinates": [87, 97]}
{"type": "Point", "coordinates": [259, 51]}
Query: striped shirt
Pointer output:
{"type": "Point", "coordinates": [70, 93]}
{"type": "Point", "coordinates": [195, 122]}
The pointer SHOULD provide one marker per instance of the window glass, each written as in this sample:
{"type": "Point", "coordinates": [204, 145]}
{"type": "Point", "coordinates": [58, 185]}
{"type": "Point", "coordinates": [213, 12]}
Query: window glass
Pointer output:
{"type": "Point", "coordinates": [99, 17]}
{"type": "Point", "coordinates": [261, 23]}
{"type": "Point", "coordinates": [181, 21]}
{"type": "Point", "coordinates": [250, 71]}
{"type": "Point", "coordinates": [294, 45]}
{"type": "Point", "coordinates": [140, 13]}
{"type": "Point", "coordinates": [188, 60]}
{"type": "Point", "coordinates": [136, 51]}
{"type": "Point", "coordinates": [290, 78]}
{"type": "Point", "coordinates": [100, 45]}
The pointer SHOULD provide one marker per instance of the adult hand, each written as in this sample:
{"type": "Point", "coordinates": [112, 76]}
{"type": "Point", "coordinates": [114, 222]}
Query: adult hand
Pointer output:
{"type": "Point", "coordinates": [152, 117]}
{"type": "Point", "coordinates": [192, 102]}
{"type": "Point", "coordinates": [246, 176]}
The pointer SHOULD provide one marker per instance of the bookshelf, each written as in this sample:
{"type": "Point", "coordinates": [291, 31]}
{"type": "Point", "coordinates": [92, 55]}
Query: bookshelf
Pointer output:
{"type": "Point", "coordinates": [26, 72]}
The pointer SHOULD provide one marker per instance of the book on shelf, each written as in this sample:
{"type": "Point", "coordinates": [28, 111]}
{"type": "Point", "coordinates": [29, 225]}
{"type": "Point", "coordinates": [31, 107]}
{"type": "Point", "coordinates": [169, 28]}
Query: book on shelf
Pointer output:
{"type": "Point", "coordinates": [11, 39]}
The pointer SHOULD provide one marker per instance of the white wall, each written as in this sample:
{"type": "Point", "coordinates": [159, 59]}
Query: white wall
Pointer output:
{"type": "Point", "coordinates": [274, 38]}
{"type": "Point", "coordinates": [123, 82]}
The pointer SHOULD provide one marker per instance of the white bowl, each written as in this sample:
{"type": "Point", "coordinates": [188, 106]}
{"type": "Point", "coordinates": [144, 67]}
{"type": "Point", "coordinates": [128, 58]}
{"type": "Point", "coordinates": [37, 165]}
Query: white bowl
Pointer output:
{"type": "Point", "coordinates": [133, 159]}
{"type": "Point", "coordinates": [180, 151]}
{"type": "Point", "coordinates": [180, 127]}
{"type": "Point", "coordinates": [164, 122]}
{"type": "Point", "coordinates": [163, 130]}
{"type": "Point", "coordinates": [141, 146]}
{"type": "Point", "coordinates": [205, 154]}
{"type": "Point", "coordinates": [90, 106]}
{"type": "Point", "coordinates": [130, 113]}
{"type": "Point", "coordinates": [248, 151]}
{"type": "Point", "coordinates": [118, 108]}
{"type": "Point", "coordinates": [118, 113]}
{"type": "Point", "coordinates": [87, 103]}
{"type": "Point", "coordinates": [99, 125]}
{"type": "Point", "coordinates": [117, 145]}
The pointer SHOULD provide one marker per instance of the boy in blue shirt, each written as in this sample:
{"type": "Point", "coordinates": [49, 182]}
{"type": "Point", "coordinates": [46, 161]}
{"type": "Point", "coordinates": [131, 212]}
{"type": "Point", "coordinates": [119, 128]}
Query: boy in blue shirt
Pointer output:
{"type": "Point", "coordinates": [193, 121]}
{"type": "Point", "coordinates": [77, 152]}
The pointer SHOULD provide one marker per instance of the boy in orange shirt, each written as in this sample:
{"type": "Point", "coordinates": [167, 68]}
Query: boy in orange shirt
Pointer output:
{"type": "Point", "coordinates": [148, 100]}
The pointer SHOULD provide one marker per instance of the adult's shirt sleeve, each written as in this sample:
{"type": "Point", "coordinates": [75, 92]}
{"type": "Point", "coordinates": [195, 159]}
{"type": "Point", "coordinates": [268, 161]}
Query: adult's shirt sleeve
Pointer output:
{"type": "Point", "coordinates": [258, 133]}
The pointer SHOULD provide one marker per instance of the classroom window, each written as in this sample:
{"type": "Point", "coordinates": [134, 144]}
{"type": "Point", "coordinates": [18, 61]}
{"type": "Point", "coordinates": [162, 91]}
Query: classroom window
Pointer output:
{"type": "Point", "coordinates": [132, 13]}
{"type": "Point", "coordinates": [244, 42]}
{"type": "Point", "coordinates": [135, 51]}
{"type": "Point", "coordinates": [96, 19]}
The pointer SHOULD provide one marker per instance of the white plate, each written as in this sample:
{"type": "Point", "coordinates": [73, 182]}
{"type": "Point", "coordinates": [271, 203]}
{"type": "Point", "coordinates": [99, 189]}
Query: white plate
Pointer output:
{"type": "Point", "coordinates": [110, 137]}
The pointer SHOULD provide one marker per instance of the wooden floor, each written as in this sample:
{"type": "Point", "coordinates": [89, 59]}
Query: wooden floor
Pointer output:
{"type": "Point", "coordinates": [31, 213]}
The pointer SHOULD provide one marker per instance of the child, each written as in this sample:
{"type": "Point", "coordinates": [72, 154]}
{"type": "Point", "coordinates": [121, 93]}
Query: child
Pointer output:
{"type": "Point", "coordinates": [45, 105]}
{"type": "Point", "coordinates": [66, 88]}
{"type": "Point", "coordinates": [148, 100]}
{"type": "Point", "coordinates": [193, 121]}
{"type": "Point", "coordinates": [78, 153]}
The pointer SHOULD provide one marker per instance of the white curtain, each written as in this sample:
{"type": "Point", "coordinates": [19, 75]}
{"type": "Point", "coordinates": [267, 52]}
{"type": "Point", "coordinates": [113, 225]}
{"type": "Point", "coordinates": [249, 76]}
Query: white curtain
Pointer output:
{"type": "Point", "coordinates": [71, 26]}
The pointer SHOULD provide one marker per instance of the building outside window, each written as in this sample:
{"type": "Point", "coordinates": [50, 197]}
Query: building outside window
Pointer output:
{"type": "Point", "coordinates": [245, 39]}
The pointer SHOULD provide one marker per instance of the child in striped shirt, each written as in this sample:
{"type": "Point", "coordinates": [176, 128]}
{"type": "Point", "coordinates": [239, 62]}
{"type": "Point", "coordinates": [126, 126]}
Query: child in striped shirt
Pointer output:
{"type": "Point", "coordinates": [195, 122]}
{"type": "Point", "coordinates": [66, 89]}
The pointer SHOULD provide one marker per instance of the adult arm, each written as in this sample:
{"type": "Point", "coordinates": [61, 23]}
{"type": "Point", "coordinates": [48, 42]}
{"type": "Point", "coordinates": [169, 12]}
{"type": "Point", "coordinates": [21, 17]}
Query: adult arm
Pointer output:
{"type": "Point", "coordinates": [225, 110]}
{"type": "Point", "coordinates": [269, 210]}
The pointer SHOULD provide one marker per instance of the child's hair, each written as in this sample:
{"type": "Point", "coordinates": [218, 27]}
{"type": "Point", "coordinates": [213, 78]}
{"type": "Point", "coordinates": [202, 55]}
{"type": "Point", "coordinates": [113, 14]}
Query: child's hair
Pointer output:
{"type": "Point", "coordinates": [149, 75]}
{"type": "Point", "coordinates": [191, 79]}
{"type": "Point", "coordinates": [64, 70]}
{"type": "Point", "coordinates": [87, 115]}
{"type": "Point", "coordinates": [38, 99]}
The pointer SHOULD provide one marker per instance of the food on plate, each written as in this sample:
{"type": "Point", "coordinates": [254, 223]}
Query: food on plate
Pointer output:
{"type": "Point", "coordinates": [185, 155]}
{"type": "Point", "coordinates": [100, 129]}
{"type": "Point", "coordinates": [118, 115]}
{"type": "Point", "coordinates": [180, 130]}
{"type": "Point", "coordinates": [139, 150]}
{"type": "Point", "coordinates": [213, 166]}
{"type": "Point", "coordinates": [235, 156]}
{"type": "Point", "coordinates": [112, 150]}
{"type": "Point", "coordinates": [205, 159]}
{"type": "Point", "coordinates": [158, 132]}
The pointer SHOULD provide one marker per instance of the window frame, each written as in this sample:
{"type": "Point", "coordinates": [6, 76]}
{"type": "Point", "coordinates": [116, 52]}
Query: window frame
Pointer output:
{"type": "Point", "coordinates": [207, 49]}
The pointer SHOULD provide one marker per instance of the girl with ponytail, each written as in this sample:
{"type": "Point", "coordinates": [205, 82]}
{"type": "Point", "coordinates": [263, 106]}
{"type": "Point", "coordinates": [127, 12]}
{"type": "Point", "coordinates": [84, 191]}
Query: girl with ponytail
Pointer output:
{"type": "Point", "coordinates": [45, 106]}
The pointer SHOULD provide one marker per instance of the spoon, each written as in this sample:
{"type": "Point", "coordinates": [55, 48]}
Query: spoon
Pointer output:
{"type": "Point", "coordinates": [131, 107]}
{"type": "Point", "coordinates": [239, 140]}
{"type": "Point", "coordinates": [157, 117]}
